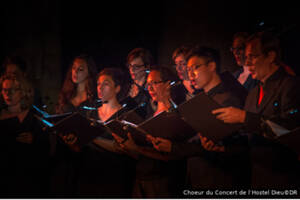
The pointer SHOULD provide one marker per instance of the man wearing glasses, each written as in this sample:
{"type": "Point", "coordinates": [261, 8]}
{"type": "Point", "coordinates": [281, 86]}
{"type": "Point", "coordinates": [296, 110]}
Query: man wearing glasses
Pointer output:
{"type": "Point", "coordinates": [180, 64]}
{"type": "Point", "coordinates": [238, 50]}
{"type": "Point", "coordinates": [276, 98]}
{"type": "Point", "coordinates": [210, 165]}
{"type": "Point", "coordinates": [139, 61]}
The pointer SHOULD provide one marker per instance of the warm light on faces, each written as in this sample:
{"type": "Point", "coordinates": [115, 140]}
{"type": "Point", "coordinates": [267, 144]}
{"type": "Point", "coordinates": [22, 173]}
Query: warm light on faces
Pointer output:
{"type": "Point", "coordinates": [200, 72]}
{"type": "Point", "coordinates": [238, 51]}
{"type": "Point", "coordinates": [158, 90]}
{"type": "Point", "coordinates": [11, 92]}
{"type": "Point", "coordinates": [256, 61]}
{"type": "Point", "coordinates": [79, 71]}
{"type": "Point", "coordinates": [106, 88]}
{"type": "Point", "coordinates": [180, 63]}
{"type": "Point", "coordinates": [137, 69]}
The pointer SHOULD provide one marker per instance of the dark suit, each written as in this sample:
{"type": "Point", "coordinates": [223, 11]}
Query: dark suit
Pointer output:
{"type": "Point", "coordinates": [273, 165]}
{"type": "Point", "coordinates": [222, 170]}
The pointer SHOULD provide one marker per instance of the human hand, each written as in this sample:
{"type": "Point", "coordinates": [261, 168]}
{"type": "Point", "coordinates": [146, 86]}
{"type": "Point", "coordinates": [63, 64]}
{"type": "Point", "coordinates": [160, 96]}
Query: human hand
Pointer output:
{"type": "Point", "coordinates": [230, 115]}
{"type": "Point", "coordinates": [117, 143]}
{"type": "Point", "coordinates": [160, 144]}
{"type": "Point", "coordinates": [25, 137]}
{"type": "Point", "coordinates": [129, 144]}
{"type": "Point", "coordinates": [70, 139]}
{"type": "Point", "coordinates": [209, 145]}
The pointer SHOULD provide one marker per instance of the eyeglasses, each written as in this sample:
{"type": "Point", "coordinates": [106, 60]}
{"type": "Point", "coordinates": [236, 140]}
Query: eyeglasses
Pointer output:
{"type": "Point", "coordinates": [237, 49]}
{"type": "Point", "coordinates": [153, 83]}
{"type": "Point", "coordinates": [135, 67]}
{"type": "Point", "coordinates": [10, 91]}
{"type": "Point", "coordinates": [193, 68]}
{"type": "Point", "coordinates": [252, 56]}
{"type": "Point", "coordinates": [180, 64]}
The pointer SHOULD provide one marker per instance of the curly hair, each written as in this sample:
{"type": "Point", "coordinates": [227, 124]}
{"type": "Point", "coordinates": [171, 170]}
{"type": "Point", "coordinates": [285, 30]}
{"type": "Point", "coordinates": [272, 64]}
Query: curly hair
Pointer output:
{"type": "Point", "coordinates": [26, 88]}
{"type": "Point", "coordinates": [68, 90]}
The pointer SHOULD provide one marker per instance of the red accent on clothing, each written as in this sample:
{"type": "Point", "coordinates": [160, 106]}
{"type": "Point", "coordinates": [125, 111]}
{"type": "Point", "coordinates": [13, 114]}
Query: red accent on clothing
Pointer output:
{"type": "Point", "coordinates": [261, 94]}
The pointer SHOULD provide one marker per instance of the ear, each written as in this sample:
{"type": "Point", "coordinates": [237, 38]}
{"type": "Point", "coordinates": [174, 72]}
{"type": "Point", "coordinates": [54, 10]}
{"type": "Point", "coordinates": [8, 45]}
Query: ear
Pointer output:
{"type": "Point", "coordinates": [272, 56]}
{"type": "Point", "coordinates": [118, 88]}
{"type": "Point", "coordinates": [212, 66]}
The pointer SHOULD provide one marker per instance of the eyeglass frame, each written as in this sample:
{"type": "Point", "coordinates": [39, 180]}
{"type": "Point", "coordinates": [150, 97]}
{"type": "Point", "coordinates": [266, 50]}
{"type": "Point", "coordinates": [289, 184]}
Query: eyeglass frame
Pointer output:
{"type": "Point", "coordinates": [154, 83]}
{"type": "Point", "coordinates": [135, 67]}
{"type": "Point", "coordinates": [242, 47]}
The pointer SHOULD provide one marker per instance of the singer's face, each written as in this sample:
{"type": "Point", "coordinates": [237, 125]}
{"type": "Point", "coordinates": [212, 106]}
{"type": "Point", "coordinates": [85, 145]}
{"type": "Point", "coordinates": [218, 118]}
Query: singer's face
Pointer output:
{"type": "Point", "coordinates": [79, 71]}
{"type": "Point", "coordinates": [256, 61]}
{"type": "Point", "coordinates": [137, 69]}
{"type": "Point", "coordinates": [158, 90]}
{"type": "Point", "coordinates": [11, 92]}
{"type": "Point", "coordinates": [106, 88]}
{"type": "Point", "coordinates": [180, 63]}
{"type": "Point", "coordinates": [200, 73]}
{"type": "Point", "coordinates": [238, 50]}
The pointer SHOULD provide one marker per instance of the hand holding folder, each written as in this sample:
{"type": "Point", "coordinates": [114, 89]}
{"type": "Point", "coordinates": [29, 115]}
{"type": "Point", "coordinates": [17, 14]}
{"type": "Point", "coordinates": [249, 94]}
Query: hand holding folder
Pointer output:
{"type": "Point", "coordinates": [167, 125]}
{"type": "Point", "coordinates": [197, 112]}
{"type": "Point", "coordinates": [85, 129]}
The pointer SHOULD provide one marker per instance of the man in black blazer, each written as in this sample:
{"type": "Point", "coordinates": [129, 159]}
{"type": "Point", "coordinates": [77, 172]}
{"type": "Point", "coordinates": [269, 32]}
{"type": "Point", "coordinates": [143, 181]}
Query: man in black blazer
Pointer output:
{"type": "Point", "coordinates": [276, 98]}
{"type": "Point", "coordinates": [210, 165]}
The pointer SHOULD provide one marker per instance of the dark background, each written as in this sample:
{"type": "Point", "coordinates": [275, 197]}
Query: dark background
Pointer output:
{"type": "Point", "coordinates": [49, 33]}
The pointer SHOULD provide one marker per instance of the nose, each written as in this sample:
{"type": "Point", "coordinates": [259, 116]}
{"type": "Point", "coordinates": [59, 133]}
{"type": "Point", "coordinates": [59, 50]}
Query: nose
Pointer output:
{"type": "Point", "coordinates": [191, 74]}
{"type": "Point", "coordinates": [7, 92]}
{"type": "Point", "coordinates": [248, 61]}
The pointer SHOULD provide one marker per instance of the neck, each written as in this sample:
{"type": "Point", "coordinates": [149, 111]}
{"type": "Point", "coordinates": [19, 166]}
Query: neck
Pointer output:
{"type": "Point", "coordinates": [81, 91]}
{"type": "Point", "coordinates": [141, 81]}
{"type": "Point", "coordinates": [81, 87]}
{"type": "Point", "coordinates": [163, 105]}
{"type": "Point", "coordinates": [187, 85]}
{"type": "Point", "coordinates": [213, 83]}
{"type": "Point", "coordinates": [270, 70]}
{"type": "Point", "coordinates": [246, 70]}
{"type": "Point", "coordinates": [111, 105]}
{"type": "Point", "coordinates": [14, 109]}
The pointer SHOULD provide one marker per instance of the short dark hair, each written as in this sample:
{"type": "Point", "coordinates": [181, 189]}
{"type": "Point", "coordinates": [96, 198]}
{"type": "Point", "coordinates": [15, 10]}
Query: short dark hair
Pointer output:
{"type": "Point", "coordinates": [142, 53]}
{"type": "Point", "coordinates": [269, 42]}
{"type": "Point", "coordinates": [243, 35]}
{"type": "Point", "coordinates": [166, 74]}
{"type": "Point", "coordinates": [207, 53]}
{"type": "Point", "coordinates": [118, 76]}
{"type": "Point", "coordinates": [182, 50]}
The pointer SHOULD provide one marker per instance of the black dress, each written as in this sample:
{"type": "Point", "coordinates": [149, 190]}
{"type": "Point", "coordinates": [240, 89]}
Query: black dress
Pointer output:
{"type": "Point", "coordinates": [105, 174]}
{"type": "Point", "coordinates": [24, 167]}
{"type": "Point", "coordinates": [65, 162]}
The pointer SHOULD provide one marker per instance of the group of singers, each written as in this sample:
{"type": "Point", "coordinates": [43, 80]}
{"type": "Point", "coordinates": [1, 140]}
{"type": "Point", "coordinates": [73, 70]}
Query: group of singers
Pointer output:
{"type": "Point", "coordinates": [38, 163]}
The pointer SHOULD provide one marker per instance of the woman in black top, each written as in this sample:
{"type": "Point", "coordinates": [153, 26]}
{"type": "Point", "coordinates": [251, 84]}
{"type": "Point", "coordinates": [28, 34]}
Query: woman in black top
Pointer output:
{"type": "Point", "coordinates": [103, 170]}
{"type": "Point", "coordinates": [24, 147]}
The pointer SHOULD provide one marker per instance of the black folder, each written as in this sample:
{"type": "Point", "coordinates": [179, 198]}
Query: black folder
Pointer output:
{"type": "Point", "coordinates": [291, 140]}
{"type": "Point", "coordinates": [122, 127]}
{"type": "Point", "coordinates": [85, 129]}
{"type": "Point", "coordinates": [167, 125]}
{"type": "Point", "coordinates": [132, 116]}
{"type": "Point", "coordinates": [197, 113]}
